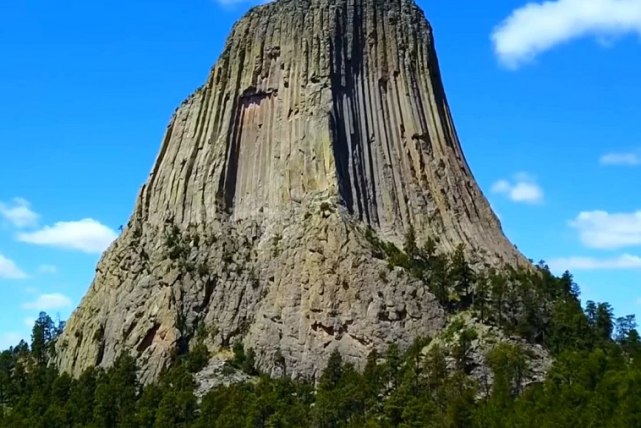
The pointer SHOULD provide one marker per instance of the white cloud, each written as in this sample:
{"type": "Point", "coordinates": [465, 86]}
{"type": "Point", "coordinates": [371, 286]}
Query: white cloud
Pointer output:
{"type": "Point", "coordinates": [537, 27]}
{"type": "Point", "coordinates": [625, 261]}
{"type": "Point", "coordinates": [627, 159]}
{"type": "Point", "coordinates": [47, 269]}
{"type": "Point", "coordinates": [522, 188]}
{"type": "Point", "coordinates": [19, 213]}
{"type": "Point", "coordinates": [86, 235]}
{"type": "Point", "coordinates": [501, 186]}
{"type": "Point", "coordinates": [8, 340]}
{"type": "Point", "coordinates": [48, 301]}
{"type": "Point", "coordinates": [9, 269]}
{"type": "Point", "coordinates": [600, 229]}
{"type": "Point", "coordinates": [29, 322]}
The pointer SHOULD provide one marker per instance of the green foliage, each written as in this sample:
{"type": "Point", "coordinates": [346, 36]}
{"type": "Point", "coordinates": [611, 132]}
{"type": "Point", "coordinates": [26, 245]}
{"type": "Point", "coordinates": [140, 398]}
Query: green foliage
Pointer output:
{"type": "Point", "coordinates": [178, 246]}
{"type": "Point", "coordinates": [325, 207]}
{"type": "Point", "coordinates": [174, 242]}
{"type": "Point", "coordinates": [43, 338]}
{"type": "Point", "coordinates": [202, 269]}
{"type": "Point", "coordinates": [244, 360]}
{"type": "Point", "coordinates": [178, 406]}
{"type": "Point", "coordinates": [595, 380]}
{"type": "Point", "coordinates": [409, 245]}
{"type": "Point", "coordinates": [531, 303]}
{"type": "Point", "coordinates": [198, 355]}
{"type": "Point", "coordinates": [453, 328]}
{"type": "Point", "coordinates": [276, 244]}
{"type": "Point", "coordinates": [197, 358]}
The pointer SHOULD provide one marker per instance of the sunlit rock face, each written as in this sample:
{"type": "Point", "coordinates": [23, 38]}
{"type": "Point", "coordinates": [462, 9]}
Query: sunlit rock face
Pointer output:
{"type": "Point", "coordinates": [321, 118]}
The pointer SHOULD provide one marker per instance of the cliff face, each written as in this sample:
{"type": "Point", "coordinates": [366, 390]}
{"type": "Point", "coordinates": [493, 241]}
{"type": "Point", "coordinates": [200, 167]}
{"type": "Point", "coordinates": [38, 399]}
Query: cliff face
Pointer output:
{"type": "Point", "coordinates": [319, 118]}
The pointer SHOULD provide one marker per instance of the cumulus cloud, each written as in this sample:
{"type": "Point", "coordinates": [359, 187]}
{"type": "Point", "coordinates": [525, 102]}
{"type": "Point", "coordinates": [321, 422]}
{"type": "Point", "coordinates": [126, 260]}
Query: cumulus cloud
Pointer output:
{"type": "Point", "coordinates": [9, 269]}
{"type": "Point", "coordinates": [539, 26]}
{"type": "Point", "coordinates": [8, 340]}
{"type": "Point", "coordinates": [19, 213]}
{"type": "Point", "coordinates": [625, 261]}
{"type": "Point", "coordinates": [521, 188]}
{"type": "Point", "coordinates": [625, 159]}
{"type": "Point", "coordinates": [48, 301]}
{"type": "Point", "coordinates": [603, 230]}
{"type": "Point", "coordinates": [88, 235]}
{"type": "Point", "coordinates": [47, 269]}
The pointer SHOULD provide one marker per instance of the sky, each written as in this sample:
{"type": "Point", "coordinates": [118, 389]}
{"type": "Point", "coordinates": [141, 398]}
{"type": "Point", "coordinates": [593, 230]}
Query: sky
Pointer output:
{"type": "Point", "coordinates": [545, 98]}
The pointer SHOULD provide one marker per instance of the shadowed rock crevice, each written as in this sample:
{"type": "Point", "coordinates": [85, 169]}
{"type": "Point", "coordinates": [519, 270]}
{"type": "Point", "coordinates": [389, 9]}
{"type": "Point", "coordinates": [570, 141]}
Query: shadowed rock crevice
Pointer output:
{"type": "Point", "coordinates": [148, 339]}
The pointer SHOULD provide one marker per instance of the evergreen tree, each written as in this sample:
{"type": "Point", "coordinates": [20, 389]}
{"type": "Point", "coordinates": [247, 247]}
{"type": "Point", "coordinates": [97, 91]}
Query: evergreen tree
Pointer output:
{"type": "Point", "coordinates": [326, 411]}
{"type": "Point", "coordinates": [147, 406]}
{"type": "Point", "coordinates": [462, 274]}
{"type": "Point", "coordinates": [604, 322]}
{"type": "Point", "coordinates": [481, 297]}
{"type": "Point", "coordinates": [43, 336]}
{"type": "Point", "coordinates": [177, 408]}
{"type": "Point", "coordinates": [498, 290]}
{"type": "Point", "coordinates": [594, 381]}
{"type": "Point", "coordinates": [116, 391]}
{"type": "Point", "coordinates": [409, 244]}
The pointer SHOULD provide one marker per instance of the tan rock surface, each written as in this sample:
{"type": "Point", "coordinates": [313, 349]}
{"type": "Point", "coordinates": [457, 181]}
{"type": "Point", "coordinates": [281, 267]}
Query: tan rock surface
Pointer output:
{"type": "Point", "coordinates": [320, 116]}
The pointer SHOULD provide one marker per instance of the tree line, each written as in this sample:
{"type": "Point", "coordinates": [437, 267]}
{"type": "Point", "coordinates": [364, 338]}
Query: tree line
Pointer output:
{"type": "Point", "coordinates": [595, 380]}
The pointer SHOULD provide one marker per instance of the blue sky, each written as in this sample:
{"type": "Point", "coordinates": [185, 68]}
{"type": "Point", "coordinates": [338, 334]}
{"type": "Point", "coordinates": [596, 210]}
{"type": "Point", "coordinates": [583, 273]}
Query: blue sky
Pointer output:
{"type": "Point", "coordinates": [545, 98]}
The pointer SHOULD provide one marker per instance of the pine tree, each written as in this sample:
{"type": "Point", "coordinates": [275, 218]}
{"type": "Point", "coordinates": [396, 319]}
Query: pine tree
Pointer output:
{"type": "Point", "coordinates": [372, 378]}
{"type": "Point", "coordinates": [147, 406]}
{"type": "Point", "coordinates": [481, 297]}
{"type": "Point", "coordinates": [604, 323]}
{"type": "Point", "coordinates": [43, 336]}
{"type": "Point", "coordinates": [327, 412]}
{"type": "Point", "coordinates": [409, 244]}
{"type": "Point", "coordinates": [116, 392]}
{"type": "Point", "coordinates": [249, 365]}
{"type": "Point", "coordinates": [178, 406]}
{"type": "Point", "coordinates": [461, 273]}
{"type": "Point", "coordinates": [498, 290]}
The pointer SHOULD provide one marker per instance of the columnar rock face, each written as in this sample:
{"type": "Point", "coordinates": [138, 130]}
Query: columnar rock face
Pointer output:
{"type": "Point", "coordinates": [320, 118]}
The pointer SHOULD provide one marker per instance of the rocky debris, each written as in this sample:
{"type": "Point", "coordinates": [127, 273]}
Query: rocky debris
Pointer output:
{"type": "Point", "coordinates": [218, 373]}
{"type": "Point", "coordinates": [486, 338]}
{"type": "Point", "coordinates": [320, 118]}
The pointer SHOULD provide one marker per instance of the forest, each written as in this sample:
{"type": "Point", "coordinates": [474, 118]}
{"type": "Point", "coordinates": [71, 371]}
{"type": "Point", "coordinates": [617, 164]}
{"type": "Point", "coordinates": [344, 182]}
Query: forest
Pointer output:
{"type": "Point", "coordinates": [594, 379]}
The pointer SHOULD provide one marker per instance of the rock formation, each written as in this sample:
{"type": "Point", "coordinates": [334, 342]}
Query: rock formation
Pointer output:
{"type": "Point", "coordinates": [320, 118]}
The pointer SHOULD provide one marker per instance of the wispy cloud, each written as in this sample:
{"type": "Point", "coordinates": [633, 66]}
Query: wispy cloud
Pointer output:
{"type": "Point", "coordinates": [625, 261]}
{"type": "Point", "coordinates": [537, 27]}
{"type": "Point", "coordinates": [48, 301]}
{"type": "Point", "coordinates": [603, 230]}
{"type": "Point", "coordinates": [9, 269]}
{"type": "Point", "coordinates": [88, 235]}
{"type": "Point", "coordinates": [51, 269]}
{"type": "Point", "coordinates": [625, 159]}
{"type": "Point", "coordinates": [521, 188]}
{"type": "Point", "coordinates": [18, 212]}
